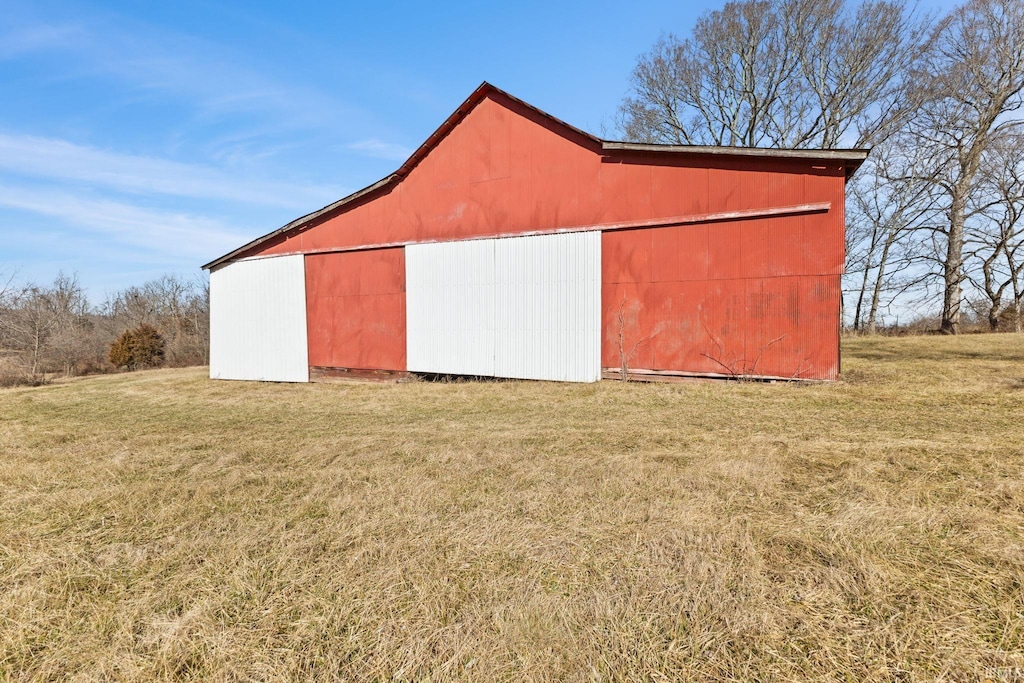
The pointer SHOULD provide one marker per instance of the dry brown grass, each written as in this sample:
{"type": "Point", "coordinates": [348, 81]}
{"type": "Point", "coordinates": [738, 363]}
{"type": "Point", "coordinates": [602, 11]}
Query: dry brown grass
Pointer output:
{"type": "Point", "coordinates": [162, 526]}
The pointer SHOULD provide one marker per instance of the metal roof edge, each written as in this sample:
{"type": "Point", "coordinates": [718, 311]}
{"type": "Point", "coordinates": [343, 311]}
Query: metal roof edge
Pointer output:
{"type": "Point", "coordinates": [853, 155]}
{"type": "Point", "coordinates": [302, 220]}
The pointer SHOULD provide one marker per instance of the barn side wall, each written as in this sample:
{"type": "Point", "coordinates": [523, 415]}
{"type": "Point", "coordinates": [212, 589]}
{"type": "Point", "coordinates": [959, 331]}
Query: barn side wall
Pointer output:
{"type": "Point", "coordinates": [730, 297]}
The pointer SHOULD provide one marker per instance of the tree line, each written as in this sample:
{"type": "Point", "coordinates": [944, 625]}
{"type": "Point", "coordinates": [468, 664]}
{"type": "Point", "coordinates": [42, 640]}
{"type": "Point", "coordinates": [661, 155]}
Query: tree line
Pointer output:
{"type": "Point", "coordinates": [935, 217]}
{"type": "Point", "coordinates": [53, 329]}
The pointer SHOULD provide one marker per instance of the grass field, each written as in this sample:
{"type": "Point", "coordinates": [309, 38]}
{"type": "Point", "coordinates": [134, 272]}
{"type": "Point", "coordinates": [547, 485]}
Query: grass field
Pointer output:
{"type": "Point", "coordinates": [158, 525]}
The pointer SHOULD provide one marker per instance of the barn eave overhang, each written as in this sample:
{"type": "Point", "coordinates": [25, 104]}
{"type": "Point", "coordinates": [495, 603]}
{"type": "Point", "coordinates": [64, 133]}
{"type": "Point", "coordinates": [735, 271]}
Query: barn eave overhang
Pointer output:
{"type": "Point", "coordinates": [851, 158]}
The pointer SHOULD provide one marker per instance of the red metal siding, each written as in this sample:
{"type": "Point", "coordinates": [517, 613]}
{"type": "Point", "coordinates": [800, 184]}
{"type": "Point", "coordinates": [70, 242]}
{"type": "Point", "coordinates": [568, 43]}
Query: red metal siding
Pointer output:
{"type": "Point", "coordinates": [505, 170]}
{"type": "Point", "coordinates": [355, 309]}
{"type": "Point", "coordinates": [758, 310]}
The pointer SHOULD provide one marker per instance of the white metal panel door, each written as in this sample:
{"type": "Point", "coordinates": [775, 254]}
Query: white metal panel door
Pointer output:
{"type": "Point", "coordinates": [524, 307]}
{"type": "Point", "coordinates": [258, 320]}
{"type": "Point", "coordinates": [449, 290]}
{"type": "Point", "coordinates": [548, 308]}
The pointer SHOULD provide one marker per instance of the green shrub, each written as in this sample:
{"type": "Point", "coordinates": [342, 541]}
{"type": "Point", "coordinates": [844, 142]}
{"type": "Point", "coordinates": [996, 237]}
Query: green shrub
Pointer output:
{"type": "Point", "coordinates": [142, 347]}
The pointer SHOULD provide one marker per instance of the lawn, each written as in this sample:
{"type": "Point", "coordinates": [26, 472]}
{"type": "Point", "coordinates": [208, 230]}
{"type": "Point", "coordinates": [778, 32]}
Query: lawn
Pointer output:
{"type": "Point", "coordinates": [159, 525]}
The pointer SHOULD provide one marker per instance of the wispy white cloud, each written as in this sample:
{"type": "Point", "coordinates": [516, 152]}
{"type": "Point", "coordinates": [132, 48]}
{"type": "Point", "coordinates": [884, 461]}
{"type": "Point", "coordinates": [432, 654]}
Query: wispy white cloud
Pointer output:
{"type": "Point", "coordinates": [25, 155]}
{"type": "Point", "coordinates": [210, 78]}
{"type": "Point", "coordinates": [381, 150]}
{"type": "Point", "coordinates": [234, 120]}
{"type": "Point", "coordinates": [166, 232]}
{"type": "Point", "coordinates": [37, 37]}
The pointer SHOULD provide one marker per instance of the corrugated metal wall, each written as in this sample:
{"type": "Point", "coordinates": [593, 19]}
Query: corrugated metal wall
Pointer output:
{"type": "Point", "coordinates": [522, 307]}
{"type": "Point", "coordinates": [450, 307]}
{"type": "Point", "coordinates": [355, 309]}
{"type": "Point", "coordinates": [548, 310]}
{"type": "Point", "coordinates": [751, 297]}
{"type": "Point", "coordinates": [258, 320]}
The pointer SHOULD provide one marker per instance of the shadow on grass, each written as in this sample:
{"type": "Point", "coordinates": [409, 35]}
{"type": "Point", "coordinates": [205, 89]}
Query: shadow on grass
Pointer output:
{"type": "Point", "coordinates": [442, 378]}
{"type": "Point", "coordinates": [911, 354]}
{"type": "Point", "coordinates": [1002, 347]}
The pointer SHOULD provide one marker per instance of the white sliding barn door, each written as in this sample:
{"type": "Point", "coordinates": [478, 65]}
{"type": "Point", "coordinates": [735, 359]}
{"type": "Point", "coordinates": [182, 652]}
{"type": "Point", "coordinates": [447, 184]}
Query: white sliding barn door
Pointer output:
{"type": "Point", "coordinates": [449, 305]}
{"type": "Point", "coordinates": [258, 320]}
{"type": "Point", "coordinates": [548, 307]}
{"type": "Point", "coordinates": [524, 307]}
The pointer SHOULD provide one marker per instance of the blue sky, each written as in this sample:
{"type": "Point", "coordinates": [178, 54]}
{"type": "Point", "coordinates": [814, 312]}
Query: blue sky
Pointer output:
{"type": "Point", "coordinates": [141, 138]}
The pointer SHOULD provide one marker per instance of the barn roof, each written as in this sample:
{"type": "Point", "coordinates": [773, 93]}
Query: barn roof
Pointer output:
{"type": "Point", "coordinates": [853, 158]}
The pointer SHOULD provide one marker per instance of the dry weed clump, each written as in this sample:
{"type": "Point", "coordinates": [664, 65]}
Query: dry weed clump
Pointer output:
{"type": "Point", "coordinates": [162, 526]}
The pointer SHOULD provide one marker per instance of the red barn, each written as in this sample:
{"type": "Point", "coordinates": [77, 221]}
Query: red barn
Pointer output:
{"type": "Point", "coordinates": [512, 244]}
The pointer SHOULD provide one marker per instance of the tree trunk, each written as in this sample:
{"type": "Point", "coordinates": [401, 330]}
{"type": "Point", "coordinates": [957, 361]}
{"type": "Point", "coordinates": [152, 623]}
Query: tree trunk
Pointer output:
{"type": "Point", "coordinates": [861, 293]}
{"type": "Point", "coordinates": [876, 292]}
{"type": "Point", "coordinates": [953, 266]}
{"type": "Point", "coordinates": [875, 297]}
{"type": "Point", "coordinates": [35, 354]}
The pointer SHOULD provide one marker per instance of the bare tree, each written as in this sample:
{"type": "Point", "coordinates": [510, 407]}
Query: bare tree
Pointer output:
{"type": "Point", "coordinates": [6, 284]}
{"type": "Point", "coordinates": [130, 307]}
{"type": "Point", "coordinates": [779, 73]}
{"type": "Point", "coordinates": [71, 309]}
{"type": "Point", "coordinates": [994, 232]}
{"type": "Point", "coordinates": [965, 95]}
{"type": "Point", "coordinates": [28, 325]}
{"type": "Point", "coordinates": [886, 211]}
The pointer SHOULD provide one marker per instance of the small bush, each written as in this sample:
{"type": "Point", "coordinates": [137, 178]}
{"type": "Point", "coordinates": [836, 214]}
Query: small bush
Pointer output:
{"type": "Point", "coordinates": [142, 347]}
